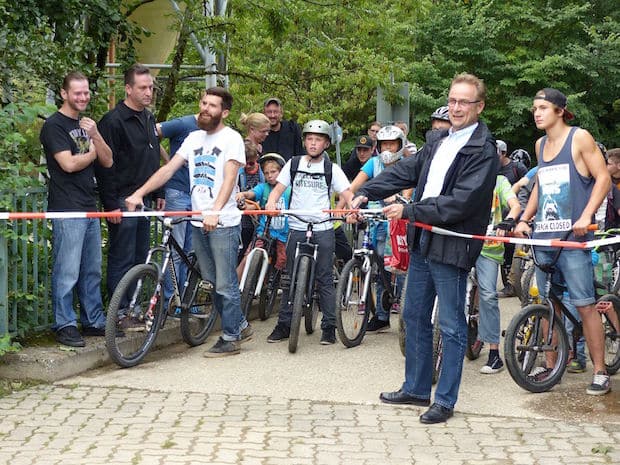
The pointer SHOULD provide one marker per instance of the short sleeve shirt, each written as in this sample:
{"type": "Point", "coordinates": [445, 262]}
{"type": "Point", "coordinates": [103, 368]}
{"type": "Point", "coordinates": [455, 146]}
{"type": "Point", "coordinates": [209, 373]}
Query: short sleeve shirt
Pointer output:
{"type": "Point", "coordinates": [206, 156]}
{"type": "Point", "coordinates": [310, 192]}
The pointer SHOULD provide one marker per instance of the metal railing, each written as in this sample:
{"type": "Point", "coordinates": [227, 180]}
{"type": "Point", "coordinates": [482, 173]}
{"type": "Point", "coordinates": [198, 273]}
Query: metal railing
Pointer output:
{"type": "Point", "coordinates": [25, 264]}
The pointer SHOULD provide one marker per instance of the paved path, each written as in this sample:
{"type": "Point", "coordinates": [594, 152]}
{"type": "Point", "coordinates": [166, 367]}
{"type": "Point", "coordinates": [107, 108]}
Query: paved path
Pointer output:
{"type": "Point", "coordinates": [318, 406]}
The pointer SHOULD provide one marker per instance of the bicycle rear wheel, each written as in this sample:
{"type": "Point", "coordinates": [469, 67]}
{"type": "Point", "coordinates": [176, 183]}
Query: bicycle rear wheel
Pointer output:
{"type": "Point", "coordinates": [351, 316]}
{"type": "Point", "coordinates": [197, 313]}
{"type": "Point", "coordinates": [135, 314]}
{"type": "Point", "coordinates": [612, 333]}
{"type": "Point", "coordinates": [437, 348]}
{"type": "Point", "coordinates": [301, 288]}
{"type": "Point", "coordinates": [269, 293]}
{"type": "Point", "coordinates": [531, 364]}
{"type": "Point", "coordinates": [311, 315]}
{"type": "Point", "coordinates": [474, 345]}
{"type": "Point", "coordinates": [251, 281]}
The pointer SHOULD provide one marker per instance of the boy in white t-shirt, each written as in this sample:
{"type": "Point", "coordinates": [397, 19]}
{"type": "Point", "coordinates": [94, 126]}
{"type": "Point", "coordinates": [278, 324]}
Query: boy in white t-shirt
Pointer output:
{"type": "Point", "coordinates": [214, 155]}
{"type": "Point", "coordinates": [311, 192]}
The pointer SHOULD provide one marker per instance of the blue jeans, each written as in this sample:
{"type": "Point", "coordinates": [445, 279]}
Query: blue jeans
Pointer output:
{"type": "Point", "coordinates": [177, 200]}
{"type": "Point", "coordinates": [323, 276]}
{"type": "Point", "coordinates": [129, 245]}
{"type": "Point", "coordinates": [449, 283]}
{"type": "Point", "coordinates": [76, 252]}
{"type": "Point", "coordinates": [574, 270]}
{"type": "Point", "coordinates": [489, 324]}
{"type": "Point", "coordinates": [217, 259]}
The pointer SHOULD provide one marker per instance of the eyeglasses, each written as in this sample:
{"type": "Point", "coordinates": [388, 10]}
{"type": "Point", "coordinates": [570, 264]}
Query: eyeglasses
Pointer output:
{"type": "Point", "coordinates": [452, 102]}
{"type": "Point", "coordinates": [250, 164]}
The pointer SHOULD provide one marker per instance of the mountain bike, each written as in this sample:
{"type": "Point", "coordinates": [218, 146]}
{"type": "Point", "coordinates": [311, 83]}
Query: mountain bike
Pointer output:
{"type": "Point", "coordinates": [302, 293]}
{"type": "Point", "coordinates": [536, 346]}
{"type": "Point", "coordinates": [260, 277]}
{"type": "Point", "coordinates": [138, 300]}
{"type": "Point", "coordinates": [355, 299]}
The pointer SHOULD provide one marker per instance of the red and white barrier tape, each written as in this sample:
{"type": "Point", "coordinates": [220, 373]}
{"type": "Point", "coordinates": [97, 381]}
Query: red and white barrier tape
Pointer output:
{"type": "Point", "coordinates": [434, 229]}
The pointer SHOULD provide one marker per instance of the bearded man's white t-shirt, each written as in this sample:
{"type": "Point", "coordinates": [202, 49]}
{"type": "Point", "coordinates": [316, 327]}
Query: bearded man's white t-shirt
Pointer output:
{"type": "Point", "coordinates": [206, 156]}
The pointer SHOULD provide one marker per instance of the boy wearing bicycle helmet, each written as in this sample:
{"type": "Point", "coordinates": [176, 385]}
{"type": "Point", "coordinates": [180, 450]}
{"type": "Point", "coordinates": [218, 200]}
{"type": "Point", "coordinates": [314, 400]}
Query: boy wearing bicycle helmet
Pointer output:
{"type": "Point", "coordinates": [271, 164]}
{"type": "Point", "coordinates": [310, 190]}
{"type": "Point", "coordinates": [391, 144]}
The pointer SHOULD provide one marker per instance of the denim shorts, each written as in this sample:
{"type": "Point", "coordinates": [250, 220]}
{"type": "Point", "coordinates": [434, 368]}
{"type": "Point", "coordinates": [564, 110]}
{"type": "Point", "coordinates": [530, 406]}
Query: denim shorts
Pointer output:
{"type": "Point", "coordinates": [574, 271]}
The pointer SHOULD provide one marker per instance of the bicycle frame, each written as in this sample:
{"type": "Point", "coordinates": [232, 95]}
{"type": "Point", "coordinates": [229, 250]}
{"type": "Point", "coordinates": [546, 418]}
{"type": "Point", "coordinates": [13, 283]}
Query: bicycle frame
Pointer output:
{"type": "Point", "coordinates": [310, 250]}
{"type": "Point", "coordinates": [266, 252]}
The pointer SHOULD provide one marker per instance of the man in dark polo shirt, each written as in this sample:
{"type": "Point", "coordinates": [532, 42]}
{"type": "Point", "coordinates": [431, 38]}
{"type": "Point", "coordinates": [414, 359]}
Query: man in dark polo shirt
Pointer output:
{"type": "Point", "coordinates": [284, 135]}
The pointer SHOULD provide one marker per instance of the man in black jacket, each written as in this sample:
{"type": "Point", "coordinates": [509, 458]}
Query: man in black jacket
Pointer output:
{"type": "Point", "coordinates": [284, 136]}
{"type": "Point", "coordinates": [454, 176]}
{"type": "Point", "coordinates": [129, 129]}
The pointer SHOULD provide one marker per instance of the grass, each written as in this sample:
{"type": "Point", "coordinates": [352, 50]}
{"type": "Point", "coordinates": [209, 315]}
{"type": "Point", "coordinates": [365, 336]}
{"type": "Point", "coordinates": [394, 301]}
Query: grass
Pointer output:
{"type": "Point", "coordinates": [9, 386]}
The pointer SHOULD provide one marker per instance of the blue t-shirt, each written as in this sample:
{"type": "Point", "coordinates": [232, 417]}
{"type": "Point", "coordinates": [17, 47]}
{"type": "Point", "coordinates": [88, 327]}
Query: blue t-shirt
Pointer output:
{"type": "Point", "coordinates": [279, 224]}
{"type": "Point", "coordinates": [177, 130]}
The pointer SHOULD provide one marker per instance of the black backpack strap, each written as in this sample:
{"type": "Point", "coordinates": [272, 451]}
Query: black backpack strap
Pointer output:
{"type": "Point", "coordinates": [328, 166]}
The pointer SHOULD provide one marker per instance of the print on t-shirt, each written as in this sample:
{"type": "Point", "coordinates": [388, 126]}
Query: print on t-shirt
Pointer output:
{"type": "Point", "coordinates": [81, 139]}
{"type": "Point", "coordinates": [554, 212]}
{"type": "Point", "coordinates": [204, 171]}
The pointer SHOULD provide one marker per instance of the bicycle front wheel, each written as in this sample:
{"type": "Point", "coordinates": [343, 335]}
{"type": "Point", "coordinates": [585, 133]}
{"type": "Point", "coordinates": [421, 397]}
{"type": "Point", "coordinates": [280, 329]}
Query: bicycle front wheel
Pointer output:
{"type": "Point", "coordinates": [134, 315]}
{"type": "Point", "coordinates": [402, 330]}
{"type": "Point", "coordinates": [351, 313]}
{"type": "Point", "coordinates": [611, 319]}
{"type": "Point", "coordinates": [301, 287]}
{"type": "Point", "coordinates": [311, 315]}
{"type": "Point", "coordinates": [534, 365]}
{"type": "Point", "coordinates": [437, 349]}
{"type": "Point", "coordinates": [251, 280]}
{"type": "Point", "coordinates": [197, 313]}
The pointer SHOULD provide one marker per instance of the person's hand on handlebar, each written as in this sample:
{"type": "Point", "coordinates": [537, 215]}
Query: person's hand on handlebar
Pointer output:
{"type": "Point", "coordinates": [505, 226]}
{"type": "Point", "coordinates": [522, 229]}
{"type": "Point", "coordinates": [582, 226]}
{"type": "Point", "coordinates": [394, 211]}
{"type": "Point", "coordinates": [352, 218]}
{"type": "Point", "coordinates": [134, 202]}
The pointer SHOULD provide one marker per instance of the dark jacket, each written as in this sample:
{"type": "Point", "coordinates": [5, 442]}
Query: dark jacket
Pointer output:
{"type": "Point", "coordinates": [135, 148]}
{"type": "Point", "coordinates": [286, 142]}
{"type": "Point", "coordinates": [464, 204]}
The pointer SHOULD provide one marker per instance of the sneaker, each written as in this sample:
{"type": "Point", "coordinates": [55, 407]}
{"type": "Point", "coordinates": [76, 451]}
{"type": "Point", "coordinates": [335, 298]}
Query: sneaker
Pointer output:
{"type": "Point", "coordinates": [131, 324]}
{"type": "Point", "coordinates": [395, 308]}
{"type": "Point", "coordinates": [375, 324]}
{"type": "Point", "coordinates": [279, 333]}
{"type": "Point", "coordinates": [92, 331]}
{"type": "Point", "coordinates": [600, 384]}
{"type": "Point", "coordinates": [70, 336]}
{"type": "Point", "coordinates": [493, 366]}
{"type": "Point", "coordinates": [575, 366]}
{"type": "Point", "coordinates": [246, 334]}
{"type": "Point", "coordinates": [539, 374]}
{"type": "Point", "coordinates": [223, 348]}
{"type": "Point", "coordinates": [328, 336]}
{"type": "Point", "coordinates": [508, 291]}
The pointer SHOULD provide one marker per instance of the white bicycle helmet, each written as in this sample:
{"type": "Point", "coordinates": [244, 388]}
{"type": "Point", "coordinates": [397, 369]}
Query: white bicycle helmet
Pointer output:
{"type": "Point", "coordinates": [317, 126]}
{"type": "Point", "coordinates": [441, 114]}
{"type": "Point", "coordinates": [501, 146]}
{"type": "Point", "coordinates": [272, 157]}
{"type": "Point", "coordinates": [391, 133]}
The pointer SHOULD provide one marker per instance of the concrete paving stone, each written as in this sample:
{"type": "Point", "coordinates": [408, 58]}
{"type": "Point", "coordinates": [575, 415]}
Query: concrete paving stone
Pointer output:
{"type": "Point", "coordinates": [289, 461]}
{"type": "Point", "coordinates": [302, 450]}
{"type": "Point", "coordinates": [371, 445]}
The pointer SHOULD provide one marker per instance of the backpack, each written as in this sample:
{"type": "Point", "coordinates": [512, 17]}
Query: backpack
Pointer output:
{"type": "Point", "coordinates": [327, 171]}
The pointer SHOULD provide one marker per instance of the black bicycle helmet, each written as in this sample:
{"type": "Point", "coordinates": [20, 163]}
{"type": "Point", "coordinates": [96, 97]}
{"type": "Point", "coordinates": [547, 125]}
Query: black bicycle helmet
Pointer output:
{"type": "Point", "coordinates": [522, 156]}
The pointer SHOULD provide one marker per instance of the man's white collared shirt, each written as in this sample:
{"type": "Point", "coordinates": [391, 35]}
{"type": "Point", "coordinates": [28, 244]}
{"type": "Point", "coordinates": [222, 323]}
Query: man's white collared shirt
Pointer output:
{"type": "Point", "coordinates": [444, 157]}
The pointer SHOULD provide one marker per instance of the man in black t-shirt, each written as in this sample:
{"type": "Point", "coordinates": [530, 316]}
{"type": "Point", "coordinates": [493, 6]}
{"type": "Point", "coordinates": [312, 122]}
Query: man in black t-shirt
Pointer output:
{"type": "Point", "coordinates": [72, 145]}
{"type": "Point", "coordinates": [284, 136]}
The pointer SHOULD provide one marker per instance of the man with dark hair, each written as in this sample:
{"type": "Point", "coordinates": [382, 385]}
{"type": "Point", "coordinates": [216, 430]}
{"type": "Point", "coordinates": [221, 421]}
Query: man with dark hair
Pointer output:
{"type": "Point", "coordinates": [214, 155]}
{"type": "Point", "coordinates": [284, 136]}
{"type": "Point", "coordinates": [72, 145]}
{"type": "Point", "coordinates": [573, 178]}
{"type": "Point", "coordinates": [129, 129]}
{"type": "Point", "coordinates": [454, 176]}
